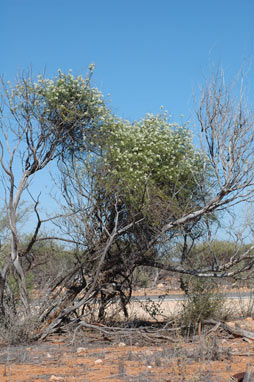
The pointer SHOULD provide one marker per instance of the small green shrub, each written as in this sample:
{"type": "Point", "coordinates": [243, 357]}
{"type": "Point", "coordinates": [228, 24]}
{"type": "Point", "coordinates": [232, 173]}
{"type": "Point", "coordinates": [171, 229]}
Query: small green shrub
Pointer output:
{"type": "Point", "coordinates": [203, 302]}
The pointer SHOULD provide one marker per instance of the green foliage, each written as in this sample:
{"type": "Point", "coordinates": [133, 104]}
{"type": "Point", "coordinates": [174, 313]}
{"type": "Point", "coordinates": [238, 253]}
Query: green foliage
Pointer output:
{"type": "Point", "coordinates": [67, 109]}
{"type": "Point", "coordinates": [73, 108]}
{"type": "Point", "coordinates": [205, 254]}
{"type": "Point", "coordinates": [151, 159]}
{"type": "Point", "coordinates": [146, 162]}
{"type": "Point", "coordinates": [49, 258]}
{"type": "Point", "coordinates": [151, 162]}
{"type": "Point", "coordinates": [152, 149]}
{"type": "Point", "coordinates": [203, 302]}
{"type": "Point", "coordinates": [142, 278]}
{"type": "Point", "coordinates": [13, 284]}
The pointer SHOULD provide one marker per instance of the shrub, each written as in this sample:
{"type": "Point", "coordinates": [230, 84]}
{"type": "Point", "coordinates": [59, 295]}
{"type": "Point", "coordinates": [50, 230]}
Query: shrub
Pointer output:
{"type": "Point", "coordinates": [203, 302]}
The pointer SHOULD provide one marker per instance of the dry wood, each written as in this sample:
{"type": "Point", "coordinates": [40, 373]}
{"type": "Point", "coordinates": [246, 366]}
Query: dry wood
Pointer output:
{"type": "Point", "coordinates": [152, 334]}
{"type": "Point", "coordinates": [237, 332]}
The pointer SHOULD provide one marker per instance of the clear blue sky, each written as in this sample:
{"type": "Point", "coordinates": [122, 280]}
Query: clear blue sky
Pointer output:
{"type": "Point", "coordinates": [147, 53]}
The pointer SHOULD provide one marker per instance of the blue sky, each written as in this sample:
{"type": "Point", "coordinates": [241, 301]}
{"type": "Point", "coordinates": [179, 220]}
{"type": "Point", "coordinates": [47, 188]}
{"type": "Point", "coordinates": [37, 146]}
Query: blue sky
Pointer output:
{"type": "Point", "coordinates": [147, 53]}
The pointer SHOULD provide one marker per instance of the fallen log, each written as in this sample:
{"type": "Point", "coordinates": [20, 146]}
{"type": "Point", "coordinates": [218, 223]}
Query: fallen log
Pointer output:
{"type": "Point", "coordinates": [237, 332]}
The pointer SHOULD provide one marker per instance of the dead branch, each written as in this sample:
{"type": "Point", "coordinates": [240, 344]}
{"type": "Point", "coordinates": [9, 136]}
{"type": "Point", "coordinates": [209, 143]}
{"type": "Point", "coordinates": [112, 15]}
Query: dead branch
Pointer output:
{"type": "Point", "coordinates": [237, 332]}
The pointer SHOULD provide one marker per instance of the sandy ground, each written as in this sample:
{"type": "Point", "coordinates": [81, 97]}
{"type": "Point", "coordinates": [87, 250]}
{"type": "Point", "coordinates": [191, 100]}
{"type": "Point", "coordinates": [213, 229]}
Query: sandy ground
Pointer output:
{"type": "Point", "coordinates": [58, 360]}
{"type": "Point", "coordinates": [91, 356]}
{"type": "Point", "coordinates": [167, 309]}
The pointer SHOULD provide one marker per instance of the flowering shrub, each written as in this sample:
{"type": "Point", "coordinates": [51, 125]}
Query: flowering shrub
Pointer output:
{"type": "Point", "coordinates": [145, 162]}
{"type": "Point", "coordinates": [150, 163]}
{"type": "Point", "coordinates": [71, 97]}
{"type": "Point", "coordinates": [66, 108]}
{"type": "Point", "coordinates": [73, 108]}
{"type": "Point", "coordinates": [151, 159]}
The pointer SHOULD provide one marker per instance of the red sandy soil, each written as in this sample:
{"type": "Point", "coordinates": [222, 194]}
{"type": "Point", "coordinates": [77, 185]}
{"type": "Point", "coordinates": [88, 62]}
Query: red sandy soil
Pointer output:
{"type": "Point", "coordinates": [90, 359]}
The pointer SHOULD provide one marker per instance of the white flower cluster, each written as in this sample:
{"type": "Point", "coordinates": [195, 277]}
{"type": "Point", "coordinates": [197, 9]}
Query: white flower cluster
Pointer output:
{"type": "Point", "coordinates": [71, 97]}
{"type": "Point", "coordinates": [152, 151]}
